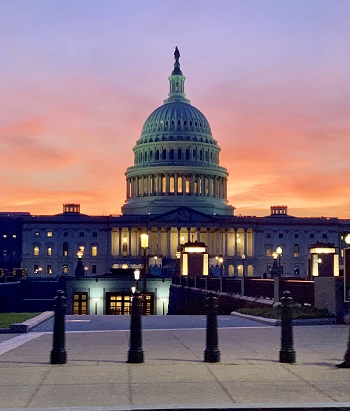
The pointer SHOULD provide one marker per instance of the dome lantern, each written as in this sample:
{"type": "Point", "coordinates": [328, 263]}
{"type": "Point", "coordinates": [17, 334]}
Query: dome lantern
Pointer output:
{"type": "Point", "coordinates": [177, 82]}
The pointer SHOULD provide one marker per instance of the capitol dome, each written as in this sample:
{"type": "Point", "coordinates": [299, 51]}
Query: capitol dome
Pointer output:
{"type": "Point", "coordinates": [176, 159]}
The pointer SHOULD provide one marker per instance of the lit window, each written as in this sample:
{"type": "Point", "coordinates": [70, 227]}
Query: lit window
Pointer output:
{"type": "Point", "coordinates": [65, 269]}
{"type": "Point", "coordinates": [4, 236]}
{"type": "Point", "coordinates": [172, 185]}
{"type": "Point", "coordinates": [36, 234]}
{"type": "Point", "coordinates": [94, 250]}
{"type": "Point", "coordinates": [268, 251]}
{"type": "Point", "coordinates": [187, 186]}
{"type": "Point", "coordinates": [296, 250]}
{"type": "Point", "coordinates": [49, 250]}
{"type": "Point", "coordinates": [65, 249]}
{"type": "Point", "coordinates": [14, 236]}
{"type": "Point", "coordinates": [179, 184]}
{"type": "Point", "coordinates": [163, 185]}
{"type": "Point", "coordinates": [49, 234]}
{"type": "Point", "coordinates": [36, 250]}
{"type": "Point", "coordinates": [49, 269]}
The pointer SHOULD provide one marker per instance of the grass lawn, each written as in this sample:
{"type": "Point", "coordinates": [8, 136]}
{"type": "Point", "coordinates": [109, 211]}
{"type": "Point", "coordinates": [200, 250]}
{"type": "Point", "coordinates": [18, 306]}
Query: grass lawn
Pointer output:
{"type": "Point", "coordinates": [299, 312]}
{"type": "Point", "coordinates": [6, 319]}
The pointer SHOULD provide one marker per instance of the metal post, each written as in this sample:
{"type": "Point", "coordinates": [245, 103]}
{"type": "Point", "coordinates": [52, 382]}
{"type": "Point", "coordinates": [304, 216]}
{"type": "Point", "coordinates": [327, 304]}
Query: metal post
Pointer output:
{"type": "Point", "coordinates": [287, 353]}
{"type": "Point", "coordinates": [58, 352]}
{"type": "Point", "coordinates": [135, 354]}
{"type": "Point", "coordinates": [212, 353]}
{"type": "Point", "coordinates": [144, 291]}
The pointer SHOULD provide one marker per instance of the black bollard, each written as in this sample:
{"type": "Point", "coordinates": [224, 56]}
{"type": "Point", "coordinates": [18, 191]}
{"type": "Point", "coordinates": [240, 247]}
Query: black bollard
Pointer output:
{"type": "Point", "coordinates": [287, 353]}
{"type": "Point", "coordinates": [212, 353]}
{"type": "Point", "coordinates": [58, 353]}
{"type": "Point", "coordinates": [135, 354]}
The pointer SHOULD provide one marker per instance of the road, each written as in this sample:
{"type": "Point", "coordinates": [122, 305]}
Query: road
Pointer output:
{"type": "Point", "coordinates": [160, 322]}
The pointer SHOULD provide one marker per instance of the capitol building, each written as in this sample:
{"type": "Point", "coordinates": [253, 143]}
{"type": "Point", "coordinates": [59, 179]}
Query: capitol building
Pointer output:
{"type": "Point", "coordinates": [176, 193]}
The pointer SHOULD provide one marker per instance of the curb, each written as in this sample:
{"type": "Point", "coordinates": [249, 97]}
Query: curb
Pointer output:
{"type": "Point", "coordinates": [26, 326]}
{"type": "Point", "coordinates": [274, 322]}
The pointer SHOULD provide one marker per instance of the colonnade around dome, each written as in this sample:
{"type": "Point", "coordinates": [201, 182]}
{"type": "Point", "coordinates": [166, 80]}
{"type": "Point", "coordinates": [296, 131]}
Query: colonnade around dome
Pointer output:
{"type": "Point", "coordinates": [174, 184]}
{"type": "Point", "coordinates": [164, 242]}
{"type": "Point", "coordinates": [177, 153]}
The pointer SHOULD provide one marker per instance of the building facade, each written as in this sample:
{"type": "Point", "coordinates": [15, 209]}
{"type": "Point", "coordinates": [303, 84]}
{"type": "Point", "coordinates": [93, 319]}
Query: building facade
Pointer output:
{"type": "Point", "coordinates": [176, 192]}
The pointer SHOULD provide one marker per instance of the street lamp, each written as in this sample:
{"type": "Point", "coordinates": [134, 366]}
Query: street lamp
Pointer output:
{"type": "Point", "coordinates": [279, 253]}
{"type": "Point", "coordinates": [243, 261]}
{"type": "Point", "coordinates": [137, 277]}
{"type": "Point", "coordinates": [144, 246]}
{"type": "Point", "coordinates": [346, 260]}
{"type": "Point", "coordinates": [219, 262]}
{"type": "Point", "coordinates": [177, 269]}
{"type": "Point", "coordinates": [347, 240]}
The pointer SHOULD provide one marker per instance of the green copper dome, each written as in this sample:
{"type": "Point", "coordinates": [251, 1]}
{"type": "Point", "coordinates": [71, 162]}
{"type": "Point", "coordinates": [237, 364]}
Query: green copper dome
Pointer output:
{"type": "Point", "coordinates": [176, 159]}
{"type": "Point", "coordinates": [177, 117]}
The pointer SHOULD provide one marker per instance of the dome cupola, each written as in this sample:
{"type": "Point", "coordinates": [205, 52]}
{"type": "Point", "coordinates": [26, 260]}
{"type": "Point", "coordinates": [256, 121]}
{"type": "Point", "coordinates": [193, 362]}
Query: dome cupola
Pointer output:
{"type": "Point", "coordinates": [176, 159]}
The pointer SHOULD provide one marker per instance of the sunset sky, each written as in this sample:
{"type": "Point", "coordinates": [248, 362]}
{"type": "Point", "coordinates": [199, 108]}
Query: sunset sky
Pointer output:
{"type": "Point", "coordinates": [78, 78]}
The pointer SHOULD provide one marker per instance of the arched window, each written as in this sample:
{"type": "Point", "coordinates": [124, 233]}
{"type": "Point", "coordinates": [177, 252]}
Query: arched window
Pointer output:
{"type": "Point", "coordinates": [150, 155]}
{"type": "Point", "coordinates": [146, 156]}
{"type": "Point", "coordinates": [179, 154]}
{"type": "Point", "coordinates": [164, 154]}
{"type": "Point", "coordinates": [157, 155]}
{"type": "Point", "coordinates": [140, 157]}
{"type": "Point", "coordinates": [36, 250]}
{"type": "Point", "coordinates": [187, 154]}
{"type": "Point", "coordinates": [200, 154]}
{"type": "Point", "coordinates": [172, 154]}
{"type": "Point", "coordinates": [194, 155]}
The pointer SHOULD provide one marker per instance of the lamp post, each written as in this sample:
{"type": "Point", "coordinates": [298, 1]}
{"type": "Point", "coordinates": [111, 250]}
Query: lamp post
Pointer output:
{"type": "Point", "coordinates": [279, 252]}
{"type": "Point", "coordinates": [177, 269]}
{"type": "Point", "coordinates": [144, 246]}
{"type": "Point", "coordinates": [220, 261]}
{"type": "Point", "coordinates": [243, 261]}
{"type": "Point", "coordinates": [275, 271]}
{"type": "Point", "coordinates": [347, 270]}
{"type": "Point", "coordinates": [137, 277]}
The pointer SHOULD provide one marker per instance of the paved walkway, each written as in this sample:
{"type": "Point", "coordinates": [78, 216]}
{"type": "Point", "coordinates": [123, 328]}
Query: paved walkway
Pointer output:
{"type": "Point", "coordinates": [249, 376]}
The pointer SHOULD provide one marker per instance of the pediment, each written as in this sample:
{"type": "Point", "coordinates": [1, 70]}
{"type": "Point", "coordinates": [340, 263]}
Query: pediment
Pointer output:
{"type": "Point", "coordinates": [183, 215]}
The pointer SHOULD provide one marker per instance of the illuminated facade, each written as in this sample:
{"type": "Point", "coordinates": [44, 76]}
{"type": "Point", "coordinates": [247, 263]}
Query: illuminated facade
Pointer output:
{"type": "Point", "coordinates": [176, 192]}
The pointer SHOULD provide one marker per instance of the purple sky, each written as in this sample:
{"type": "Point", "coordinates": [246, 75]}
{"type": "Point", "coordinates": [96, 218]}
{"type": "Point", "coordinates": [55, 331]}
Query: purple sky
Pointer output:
{"type": "Point", "coordinates": [79, 78]}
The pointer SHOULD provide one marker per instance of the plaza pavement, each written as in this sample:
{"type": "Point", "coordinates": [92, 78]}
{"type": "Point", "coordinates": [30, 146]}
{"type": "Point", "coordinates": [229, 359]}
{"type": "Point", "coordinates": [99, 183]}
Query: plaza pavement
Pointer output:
{"type": "Point", "coordinates": [174, 376]}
